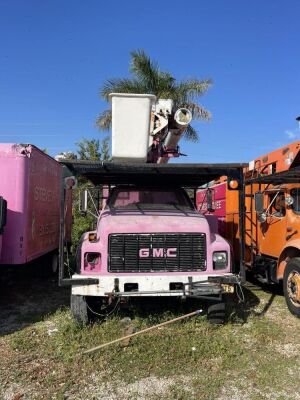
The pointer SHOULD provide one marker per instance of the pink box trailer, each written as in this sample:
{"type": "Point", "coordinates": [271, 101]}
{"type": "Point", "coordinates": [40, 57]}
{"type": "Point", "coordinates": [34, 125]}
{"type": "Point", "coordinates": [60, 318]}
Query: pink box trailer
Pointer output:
{"type": "Point", "coordinates": [3, 215]}
{"type": "Point", "coordinates": [30, 182]}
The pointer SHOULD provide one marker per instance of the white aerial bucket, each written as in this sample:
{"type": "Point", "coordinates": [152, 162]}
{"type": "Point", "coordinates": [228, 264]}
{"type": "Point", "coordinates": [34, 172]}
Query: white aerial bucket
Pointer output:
{"type": "Point", "coordinates": [131, 118]}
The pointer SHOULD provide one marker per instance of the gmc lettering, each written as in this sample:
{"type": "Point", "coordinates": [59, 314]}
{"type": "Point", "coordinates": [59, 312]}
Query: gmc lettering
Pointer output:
{"type": "Point", "coordinates": [158, 252]}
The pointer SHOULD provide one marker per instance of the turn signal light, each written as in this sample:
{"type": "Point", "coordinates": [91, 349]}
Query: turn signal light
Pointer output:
{"type": "Point", "coordinates": [92, 237]}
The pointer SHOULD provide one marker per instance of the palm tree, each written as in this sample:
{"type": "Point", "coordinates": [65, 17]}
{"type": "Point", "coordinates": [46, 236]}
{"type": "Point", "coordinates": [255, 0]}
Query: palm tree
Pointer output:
{"type": "Point", "coordinates": [148, 78]}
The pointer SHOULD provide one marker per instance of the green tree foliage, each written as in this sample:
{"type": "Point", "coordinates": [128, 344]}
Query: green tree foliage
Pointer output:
{"type": "Point", "coordinates": [88, 149]}
{"type": "Point", "coordinates": [81, 222]}
{"type": "Point", "coordinates": [148, 78]}
{"type": "Point", "coordinates": [105, 150]}
{"type": "Point", "coordinates": [94, 150]}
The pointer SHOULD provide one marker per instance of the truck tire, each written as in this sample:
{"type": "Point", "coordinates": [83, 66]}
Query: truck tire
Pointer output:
{"type": "Point", "coordinates": [48, 265]}
{"type": "Point", "coordinates": [291, 285]}
{"type": "Point", "coordinates": [79, 309]}
{"type": "Point", "coordinates": [216, 313]}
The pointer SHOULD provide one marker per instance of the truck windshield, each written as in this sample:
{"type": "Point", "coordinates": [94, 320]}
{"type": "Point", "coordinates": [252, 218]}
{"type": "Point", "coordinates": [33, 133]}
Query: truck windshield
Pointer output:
{"type": "Point", "coordinates": [149, 198]}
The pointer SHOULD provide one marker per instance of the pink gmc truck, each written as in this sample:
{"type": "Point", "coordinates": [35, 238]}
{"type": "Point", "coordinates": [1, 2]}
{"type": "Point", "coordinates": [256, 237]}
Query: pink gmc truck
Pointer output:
{"type": "Point", "coordinates": [30, 183]}
{"type": "Point", "coordinates": [150, 240]}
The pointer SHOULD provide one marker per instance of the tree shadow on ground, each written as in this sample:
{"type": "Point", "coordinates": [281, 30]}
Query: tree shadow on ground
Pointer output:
{"type": "Point", "coordinates": [253, 290]}
{"type": "Point", "coordinates": [273, 290]}
{"type": "Point", "coordinates": [27, 296]}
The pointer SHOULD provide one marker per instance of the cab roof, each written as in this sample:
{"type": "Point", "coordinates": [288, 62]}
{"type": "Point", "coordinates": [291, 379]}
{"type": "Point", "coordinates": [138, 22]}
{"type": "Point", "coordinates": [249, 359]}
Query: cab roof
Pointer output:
{"type": "Point", "coordinates": [188, 175]}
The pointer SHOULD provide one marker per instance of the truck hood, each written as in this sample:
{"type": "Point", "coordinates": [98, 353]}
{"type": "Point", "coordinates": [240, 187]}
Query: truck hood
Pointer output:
{"type": "Point", "coordinates": [151, 221]}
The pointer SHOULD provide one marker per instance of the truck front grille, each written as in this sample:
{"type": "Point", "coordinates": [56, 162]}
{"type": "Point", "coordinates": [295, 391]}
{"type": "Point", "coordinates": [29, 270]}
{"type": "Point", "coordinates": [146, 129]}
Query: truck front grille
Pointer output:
{"type": "Point", "coordinates": [157, 252]}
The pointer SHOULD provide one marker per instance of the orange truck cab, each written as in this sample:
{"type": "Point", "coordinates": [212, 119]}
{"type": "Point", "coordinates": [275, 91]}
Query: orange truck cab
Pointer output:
{"type": "Point", "coordinates": [272, 219]}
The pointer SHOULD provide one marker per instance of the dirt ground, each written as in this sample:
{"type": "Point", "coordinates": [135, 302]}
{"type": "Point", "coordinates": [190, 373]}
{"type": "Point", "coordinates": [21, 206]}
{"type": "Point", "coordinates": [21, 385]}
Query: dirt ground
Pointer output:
{"type": "Point", "coordinates": [27, 297]}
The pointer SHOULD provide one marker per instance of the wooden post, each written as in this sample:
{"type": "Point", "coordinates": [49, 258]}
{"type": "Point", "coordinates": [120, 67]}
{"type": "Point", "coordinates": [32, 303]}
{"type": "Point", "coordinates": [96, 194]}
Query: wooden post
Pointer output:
{"type": "Point", "coordinates": [101, 346]}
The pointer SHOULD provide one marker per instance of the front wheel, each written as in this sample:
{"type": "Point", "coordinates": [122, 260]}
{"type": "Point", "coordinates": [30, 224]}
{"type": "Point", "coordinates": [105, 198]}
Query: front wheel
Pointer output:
{"type": "Point", "coordinates": [79, 309]}
{"type": "Point", "coordinates": [291, 286]}
{"type": "Point", "coordinates": [216, 313]}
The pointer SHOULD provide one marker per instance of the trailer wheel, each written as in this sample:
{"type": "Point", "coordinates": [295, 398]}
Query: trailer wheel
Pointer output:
{"type": "Point", "coordinates": [79, 309]}
{"type": "Point", "coordinates": [291, 286]}
{"type": "Point", "coordinates": [216, 313]}
{"type": "Point", "coordinates": [48, 265]}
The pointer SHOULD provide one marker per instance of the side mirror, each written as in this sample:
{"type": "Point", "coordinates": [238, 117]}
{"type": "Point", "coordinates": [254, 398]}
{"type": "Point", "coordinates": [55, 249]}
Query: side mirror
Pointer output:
{"type": "Point", "coordinates": [262, 217]}
{"type": "Point", "coordinates": [289, 201]}
{"type": "Point", "coordinates": [83, 201]}
{"type": "Point", "coordinates": [210, 201]}
{"type": "Point", "coordinates": [3, 213]}
{"type": "Point", "coordinates": [259, 202]}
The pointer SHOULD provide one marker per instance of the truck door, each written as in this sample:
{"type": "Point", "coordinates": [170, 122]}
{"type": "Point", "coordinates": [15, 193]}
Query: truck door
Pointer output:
{"type": "Point", "coordinates": [272, 232]}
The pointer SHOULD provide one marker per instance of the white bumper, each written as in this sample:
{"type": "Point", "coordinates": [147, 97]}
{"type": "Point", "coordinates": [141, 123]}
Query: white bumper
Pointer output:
{"type": "Point", "coordinates": [157, 285]}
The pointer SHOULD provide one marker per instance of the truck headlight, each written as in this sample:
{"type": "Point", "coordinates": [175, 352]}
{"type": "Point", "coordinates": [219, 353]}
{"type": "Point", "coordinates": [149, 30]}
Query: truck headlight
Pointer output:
{"type": "Point", "coordinates": [220, 259]}
{"type": "Point", "coordinates": [92, 261]}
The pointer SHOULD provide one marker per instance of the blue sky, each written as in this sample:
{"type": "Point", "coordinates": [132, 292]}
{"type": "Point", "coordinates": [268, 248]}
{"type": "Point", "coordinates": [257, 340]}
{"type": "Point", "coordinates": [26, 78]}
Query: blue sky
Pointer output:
{"type": "Point", "coordinates": [55, 54]}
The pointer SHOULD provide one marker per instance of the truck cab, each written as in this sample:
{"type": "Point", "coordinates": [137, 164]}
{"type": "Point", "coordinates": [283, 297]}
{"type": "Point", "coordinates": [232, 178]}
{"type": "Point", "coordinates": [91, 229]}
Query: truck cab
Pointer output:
{"type": "Point", "coordinates": [151, 241]}
{"type": "Point", "coordinates": [277, 255]}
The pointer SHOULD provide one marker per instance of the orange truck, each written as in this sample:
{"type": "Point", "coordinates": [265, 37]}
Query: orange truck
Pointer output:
{"type": "Point", "coordinates": [272, 218]}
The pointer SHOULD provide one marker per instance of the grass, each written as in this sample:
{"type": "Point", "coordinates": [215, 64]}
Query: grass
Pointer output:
{"type": "Point", "coordinates": [252, 359]}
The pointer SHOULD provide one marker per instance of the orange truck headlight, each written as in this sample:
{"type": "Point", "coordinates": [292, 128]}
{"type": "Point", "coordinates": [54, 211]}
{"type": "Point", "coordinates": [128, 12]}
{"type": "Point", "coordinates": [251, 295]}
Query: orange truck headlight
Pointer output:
{"type": "Point", "coordinates": [233, 184]}
{"type": "Point", "coordinates": [92, 237]}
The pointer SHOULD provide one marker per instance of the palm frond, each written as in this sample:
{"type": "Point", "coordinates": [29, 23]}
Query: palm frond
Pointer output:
{"type": "Point", "coordinates": [104, 120]}
{"type": "Point", "coordinates": [88, 149]}
{"type": "Point", "coordinates": [120, 86]}
{"type": "Point", "coordinates": [166, 88]}
{"type": "Point", "coordinates": [146, 71]}
{"type": "Point", "coordinates": [189, 89]}
{"type": "Point", "coordinates": [191, 134]}
{"type": "Point", "coordinates": [197, 111]}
